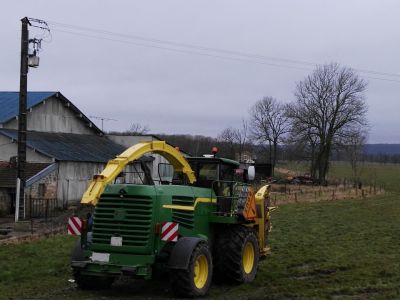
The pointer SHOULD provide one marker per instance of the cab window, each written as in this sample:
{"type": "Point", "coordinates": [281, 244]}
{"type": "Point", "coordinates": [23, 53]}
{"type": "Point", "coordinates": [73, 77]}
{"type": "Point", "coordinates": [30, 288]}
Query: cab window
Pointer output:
{"type": "Point", "coordinates": [208, 172]}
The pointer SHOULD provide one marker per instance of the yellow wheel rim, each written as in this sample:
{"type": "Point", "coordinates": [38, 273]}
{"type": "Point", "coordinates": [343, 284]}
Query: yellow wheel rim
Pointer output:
{"type": "Point", "coordinates": [200, 271]}
{"type": "Point", "coordinates": [248, 257]}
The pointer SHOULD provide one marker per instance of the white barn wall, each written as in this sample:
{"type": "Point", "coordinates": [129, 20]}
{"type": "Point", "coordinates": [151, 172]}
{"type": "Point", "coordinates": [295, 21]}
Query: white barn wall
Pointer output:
{"type": "Point", "coordinates": [73, 180]}
{"type": "Point", "coordinates": [52, 116]}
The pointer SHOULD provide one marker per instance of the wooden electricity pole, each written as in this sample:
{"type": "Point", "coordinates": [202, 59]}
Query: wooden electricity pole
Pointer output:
{"type": "Point", "coordinates": [23, 86]}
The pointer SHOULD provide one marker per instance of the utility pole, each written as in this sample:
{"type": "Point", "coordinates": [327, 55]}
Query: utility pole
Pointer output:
{"type": "Point", "coordinates": [27, 60]}
{"type": "Point", "coordinates": [23, 86]}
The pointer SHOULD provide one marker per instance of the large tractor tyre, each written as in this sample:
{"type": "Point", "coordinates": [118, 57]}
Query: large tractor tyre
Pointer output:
{"type": "Point", "coordinates": [236, 255]}
{"type": "Point", "coordinates": [195, 280]}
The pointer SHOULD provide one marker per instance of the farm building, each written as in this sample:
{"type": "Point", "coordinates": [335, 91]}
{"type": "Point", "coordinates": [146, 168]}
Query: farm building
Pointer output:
{"type": "Point", "coordinates": [64, 149]}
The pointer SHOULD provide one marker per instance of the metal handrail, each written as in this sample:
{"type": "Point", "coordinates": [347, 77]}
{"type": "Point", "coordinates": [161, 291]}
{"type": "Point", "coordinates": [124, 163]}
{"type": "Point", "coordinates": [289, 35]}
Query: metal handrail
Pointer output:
{"type": "Point", "coordinates": [237, 195]}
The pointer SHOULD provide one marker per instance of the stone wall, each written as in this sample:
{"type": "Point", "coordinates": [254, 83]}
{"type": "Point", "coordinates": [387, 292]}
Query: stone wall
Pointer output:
{"type": "Point", "coordinates": [45, 188]}
{"type": "Point", "coordinates": [39, 192]}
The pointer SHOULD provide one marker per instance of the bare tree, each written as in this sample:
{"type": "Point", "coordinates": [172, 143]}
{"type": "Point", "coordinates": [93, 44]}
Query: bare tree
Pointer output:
{"type": "Point", "coordinates": [305, 141]}
{"type": "Point", "coordinates": [353, 145]}
{"type": "Point", "coordinates": [228, 136]}
{"type": "Point", "coordinates": [241, 139]}
{"type": "Point", "coordinates": [236, 139]}
{"type": "Point", "coordinates": [329, 104]}
{"type": "Point", "coordinates": [269, 123]}
{"type": "Point", "coordinates": [138, 129]}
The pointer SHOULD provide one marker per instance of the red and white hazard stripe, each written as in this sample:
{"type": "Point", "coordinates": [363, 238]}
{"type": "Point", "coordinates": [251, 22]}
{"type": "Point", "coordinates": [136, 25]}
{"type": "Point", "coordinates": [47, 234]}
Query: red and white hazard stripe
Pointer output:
{"type": "Point", "coordinates": [169, 232]}
{"type": "Point", "coordinates": [74, 226]}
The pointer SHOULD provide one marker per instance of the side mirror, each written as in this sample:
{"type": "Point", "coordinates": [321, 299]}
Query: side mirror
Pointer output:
{"type": "Point", "coordinates": [251, 173]}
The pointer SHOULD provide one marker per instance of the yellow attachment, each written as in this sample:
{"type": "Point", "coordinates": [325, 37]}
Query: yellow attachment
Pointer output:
{"type": "Point", "coordinates": [190, 208]}
{"type": "Point", "coordinates": [262, 196]}
{"type": "Point", "coordinates": [262, 192]}
{"type": "Point", "coordinates": [115, 166]}
{"type": "Point", "coordinates": [200, 271]}
{"type": "Point", "coordinates": [248, 257]}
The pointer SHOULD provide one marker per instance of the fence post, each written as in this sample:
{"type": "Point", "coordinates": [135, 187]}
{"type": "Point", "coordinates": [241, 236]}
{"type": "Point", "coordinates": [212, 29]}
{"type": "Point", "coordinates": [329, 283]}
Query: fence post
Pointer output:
{"type": "Point", "coordinates": [31, 226]}
{"type": "Point", "coordinates": [46, 209]}
{"type": "Point", "coordinates": [30, 207]}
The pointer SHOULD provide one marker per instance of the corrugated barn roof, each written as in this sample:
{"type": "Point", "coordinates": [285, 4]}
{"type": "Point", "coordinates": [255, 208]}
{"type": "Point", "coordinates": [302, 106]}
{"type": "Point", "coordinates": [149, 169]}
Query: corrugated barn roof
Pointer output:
{"type": "Point", "coordinates": [68, 146]}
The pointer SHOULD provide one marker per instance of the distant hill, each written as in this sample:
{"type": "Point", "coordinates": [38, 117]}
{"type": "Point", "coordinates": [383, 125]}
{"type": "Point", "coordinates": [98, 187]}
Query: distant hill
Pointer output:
{"type": "Point", "coordinates": [389, 149]}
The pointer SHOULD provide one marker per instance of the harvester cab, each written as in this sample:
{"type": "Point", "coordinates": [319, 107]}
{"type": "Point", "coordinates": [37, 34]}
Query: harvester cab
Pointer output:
{"type": "Point", "coordinates": [228, 181]}
{"type": "Point", "coordinates": [200, 221]}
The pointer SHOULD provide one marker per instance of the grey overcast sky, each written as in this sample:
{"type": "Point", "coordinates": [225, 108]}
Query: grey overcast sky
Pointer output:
{"type": "Point", "coordinates": [176, 89]}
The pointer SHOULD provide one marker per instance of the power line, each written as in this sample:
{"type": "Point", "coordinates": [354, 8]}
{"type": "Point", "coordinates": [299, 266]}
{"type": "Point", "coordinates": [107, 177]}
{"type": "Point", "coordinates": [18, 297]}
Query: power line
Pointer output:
{"type": "Point", "coordinates": [249, 57]}
{"type": "Point", "coordinates": [183, 51]}
{"type": "Point", "coordinates": [185, 45]}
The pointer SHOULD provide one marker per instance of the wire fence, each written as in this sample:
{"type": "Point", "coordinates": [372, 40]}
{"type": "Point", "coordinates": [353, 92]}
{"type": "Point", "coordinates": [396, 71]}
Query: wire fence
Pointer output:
{"type": "Point", "coordinates": [42, 208]}
{"type": "Point", "coordinates": [292, 193]}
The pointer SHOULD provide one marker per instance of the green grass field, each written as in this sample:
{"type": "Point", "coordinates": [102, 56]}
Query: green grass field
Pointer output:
{"type": "Point", "coordinates": [387, 175]}
{"type": "Point", "coordinates": [342, 249]}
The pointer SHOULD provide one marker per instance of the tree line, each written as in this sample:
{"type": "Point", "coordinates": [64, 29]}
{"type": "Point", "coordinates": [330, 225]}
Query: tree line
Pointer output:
{"type": "Point", "coordinates": [328, 113]}
{"type": "Point", "coordinates": [327, 116]}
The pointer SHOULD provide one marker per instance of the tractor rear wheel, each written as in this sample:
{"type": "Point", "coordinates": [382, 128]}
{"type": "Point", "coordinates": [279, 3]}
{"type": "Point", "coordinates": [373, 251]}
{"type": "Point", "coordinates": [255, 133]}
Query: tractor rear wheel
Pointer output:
{"type": "Point", "coordinates": [195, 280]}
{"type": "Point", "coordinates": [236, 255]}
